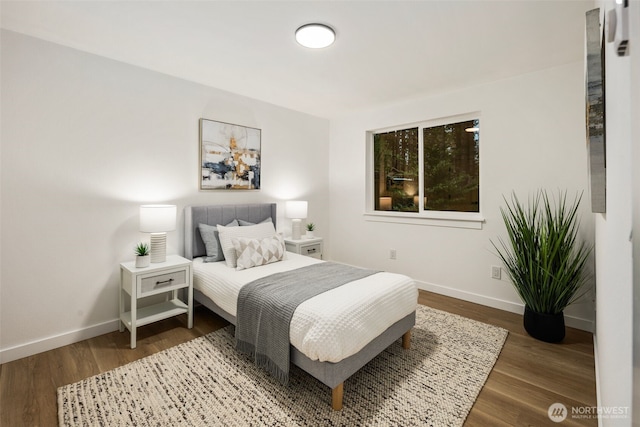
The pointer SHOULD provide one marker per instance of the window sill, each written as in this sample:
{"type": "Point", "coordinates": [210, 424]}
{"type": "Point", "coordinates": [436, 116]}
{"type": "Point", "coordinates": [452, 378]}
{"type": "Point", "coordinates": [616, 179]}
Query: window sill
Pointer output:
{"type": "Point", "coordinates": [435, 219]}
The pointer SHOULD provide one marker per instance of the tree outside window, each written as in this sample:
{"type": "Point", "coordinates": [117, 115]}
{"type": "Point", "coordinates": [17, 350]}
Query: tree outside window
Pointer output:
{"type": "Point", "coordinates": [396, 172]}
{"type": "Point", "coordinates": [451, 167]}
{"type": "Point", "coordinates": [450, 160]}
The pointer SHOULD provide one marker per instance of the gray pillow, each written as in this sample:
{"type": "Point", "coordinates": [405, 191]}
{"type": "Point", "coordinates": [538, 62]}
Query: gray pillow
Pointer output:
{"type": "Point", "coordinates": [209, 234]}
{"type": "Point", "coordinates": [244, 223]}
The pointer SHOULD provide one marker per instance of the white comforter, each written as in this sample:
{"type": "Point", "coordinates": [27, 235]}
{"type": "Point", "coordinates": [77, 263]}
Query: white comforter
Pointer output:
{"type": "Point", "coordinates": [331, 326]}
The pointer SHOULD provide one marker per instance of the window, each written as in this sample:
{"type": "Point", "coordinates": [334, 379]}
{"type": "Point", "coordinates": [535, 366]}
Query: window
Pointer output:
{"type": "Point", "coordinates": [451, 167]}
{"type": "Point", "coordinates": [396, 170]}
{"type": "Point", "coordinates": [427, 170]}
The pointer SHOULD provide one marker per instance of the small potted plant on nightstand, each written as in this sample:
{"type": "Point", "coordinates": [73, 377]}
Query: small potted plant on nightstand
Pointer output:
{"type": "Point", "coordinates": [310, 227]}
{"type": "Point", "coordinates": [142, 255]}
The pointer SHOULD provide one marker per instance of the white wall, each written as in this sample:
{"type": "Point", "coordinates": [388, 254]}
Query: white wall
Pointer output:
{"type": "Point", "coordinates": [85, 141]}
{"type": "Point", "coordinates": [634, 22]}
{"type": "Point", "coordinates": [614, 251]}
{"type": "Point", "coordinates": [532, 136]}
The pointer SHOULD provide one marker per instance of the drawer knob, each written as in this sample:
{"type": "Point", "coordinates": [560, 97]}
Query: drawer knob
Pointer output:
{"type": "Point", "coordinates": [164, 282]}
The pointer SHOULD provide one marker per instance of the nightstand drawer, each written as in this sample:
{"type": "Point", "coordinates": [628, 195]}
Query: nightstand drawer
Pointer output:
{"type": "Point", "coordinates": [307, 247]}
{"type": "Point", "coordinates": [162, 281]}
{"type": "Point", "coordinates": [314, 250]}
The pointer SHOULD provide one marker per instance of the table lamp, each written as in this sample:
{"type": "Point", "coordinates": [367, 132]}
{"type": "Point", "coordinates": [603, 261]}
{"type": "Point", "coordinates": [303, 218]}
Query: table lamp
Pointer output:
{"type": "Point", "coordinates": [297, 211]}
{"type": "Point", "coordinates": [157, 220]}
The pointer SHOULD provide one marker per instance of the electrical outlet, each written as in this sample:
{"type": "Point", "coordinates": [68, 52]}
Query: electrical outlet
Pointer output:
{"type": "Point", "coordinates": [392, 254]}
{"type": "Point", "coordinates": [496, 272]}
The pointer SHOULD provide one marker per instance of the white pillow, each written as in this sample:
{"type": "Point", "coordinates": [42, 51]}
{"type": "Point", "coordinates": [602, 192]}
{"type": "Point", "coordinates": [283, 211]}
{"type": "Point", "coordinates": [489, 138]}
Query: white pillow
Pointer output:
{"type": "Point", "coordinates": [258, 231]}
{"type": "Point", "coordinates": [255, 252]}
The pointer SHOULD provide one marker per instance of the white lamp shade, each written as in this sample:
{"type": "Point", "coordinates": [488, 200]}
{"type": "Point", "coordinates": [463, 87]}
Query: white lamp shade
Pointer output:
{"type": "Point", "coordinates": [296, 209]}
{"type": "Point", "coordinates": [157, 218]}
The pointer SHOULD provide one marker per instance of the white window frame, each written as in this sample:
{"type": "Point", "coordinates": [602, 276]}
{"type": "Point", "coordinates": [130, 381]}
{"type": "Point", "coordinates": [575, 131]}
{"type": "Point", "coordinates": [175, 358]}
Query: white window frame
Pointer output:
{"type": "Point", "coordinates": [472, 220]}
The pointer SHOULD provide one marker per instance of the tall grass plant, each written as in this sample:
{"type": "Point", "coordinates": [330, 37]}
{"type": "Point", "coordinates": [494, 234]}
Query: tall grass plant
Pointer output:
{"type": "Point", "coordinates": [543, 256]}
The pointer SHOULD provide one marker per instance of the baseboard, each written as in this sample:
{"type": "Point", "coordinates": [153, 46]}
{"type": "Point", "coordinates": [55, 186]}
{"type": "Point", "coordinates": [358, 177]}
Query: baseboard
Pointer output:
{"type": "Point", "coordinates": [595, 360]}
{"type": "Point", "coordinates": [49, 343]}
{"type": "Point", "coordinates": [518, 308]}
{"type": "Point", "coordinates": [46, 344]}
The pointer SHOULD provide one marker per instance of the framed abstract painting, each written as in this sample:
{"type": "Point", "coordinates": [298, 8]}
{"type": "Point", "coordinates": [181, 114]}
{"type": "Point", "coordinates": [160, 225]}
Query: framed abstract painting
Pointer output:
{"type": "Point", "coordinates": [229, 156]}
{"type": "Point", "coordinates": [595, 112]}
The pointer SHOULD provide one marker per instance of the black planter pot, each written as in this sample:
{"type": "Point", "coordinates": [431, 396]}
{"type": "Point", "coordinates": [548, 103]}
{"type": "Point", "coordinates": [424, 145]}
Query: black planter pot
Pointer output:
{"type": "Point", "coordinates": [544, 327]}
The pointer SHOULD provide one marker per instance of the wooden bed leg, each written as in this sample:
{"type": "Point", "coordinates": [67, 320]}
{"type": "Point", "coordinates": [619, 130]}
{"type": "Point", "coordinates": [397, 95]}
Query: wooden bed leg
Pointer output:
{"type": "Point", "coordinates": [406, 340]}
{"type": "Point", "coordinates": [336, 397]}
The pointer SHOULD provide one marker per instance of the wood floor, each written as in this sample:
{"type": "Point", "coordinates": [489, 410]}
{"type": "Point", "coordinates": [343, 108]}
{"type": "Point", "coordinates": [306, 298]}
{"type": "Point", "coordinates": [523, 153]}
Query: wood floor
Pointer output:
{"type": "Point", "coordinates": [528, 377]}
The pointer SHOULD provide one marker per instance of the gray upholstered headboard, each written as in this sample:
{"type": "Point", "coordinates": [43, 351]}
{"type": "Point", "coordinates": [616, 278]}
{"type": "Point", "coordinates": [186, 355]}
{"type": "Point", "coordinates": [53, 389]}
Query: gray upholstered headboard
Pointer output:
{"type": "Point", "coordinates": [219, 214]}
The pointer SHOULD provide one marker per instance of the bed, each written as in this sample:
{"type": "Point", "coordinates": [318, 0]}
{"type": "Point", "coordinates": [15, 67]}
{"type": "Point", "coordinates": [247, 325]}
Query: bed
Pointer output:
{"type": "Point", "coordinates": [216, 286]}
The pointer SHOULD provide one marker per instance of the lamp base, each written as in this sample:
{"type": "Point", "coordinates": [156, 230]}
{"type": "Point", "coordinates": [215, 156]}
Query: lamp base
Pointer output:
{"type": "Point", "coordinates": [158, 247]}
{"type": "Point", "coordinates": [296, 229]}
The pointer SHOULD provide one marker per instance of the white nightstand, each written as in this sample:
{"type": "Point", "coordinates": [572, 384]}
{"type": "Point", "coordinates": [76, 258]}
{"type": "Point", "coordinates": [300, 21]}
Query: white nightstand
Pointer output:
{"type": "Point", "coordinates": [170, 276]}
{"type": "Point", "coordinates": [308, 247]}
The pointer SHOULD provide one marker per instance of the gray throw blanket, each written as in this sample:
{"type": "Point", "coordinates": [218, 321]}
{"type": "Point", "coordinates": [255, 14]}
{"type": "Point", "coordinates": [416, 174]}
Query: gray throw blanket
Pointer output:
{"type": "Point", "coordinates": [266, 305]}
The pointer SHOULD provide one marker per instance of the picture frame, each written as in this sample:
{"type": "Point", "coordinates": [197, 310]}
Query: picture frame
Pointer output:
{"type": "Point", "coordinates": [595, 111]}
{"type": "Point", "coordinates": [229, 156]}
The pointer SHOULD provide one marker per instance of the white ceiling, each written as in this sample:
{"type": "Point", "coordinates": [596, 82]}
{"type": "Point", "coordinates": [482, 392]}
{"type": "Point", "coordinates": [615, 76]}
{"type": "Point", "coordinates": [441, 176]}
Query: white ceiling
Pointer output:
{"type": "Point", "coordinates": [385, 51]}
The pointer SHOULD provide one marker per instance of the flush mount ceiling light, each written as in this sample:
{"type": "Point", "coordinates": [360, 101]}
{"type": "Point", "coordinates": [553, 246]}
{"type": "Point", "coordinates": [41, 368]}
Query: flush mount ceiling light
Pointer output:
{"type": "Point", "coordinates": [315, 36]}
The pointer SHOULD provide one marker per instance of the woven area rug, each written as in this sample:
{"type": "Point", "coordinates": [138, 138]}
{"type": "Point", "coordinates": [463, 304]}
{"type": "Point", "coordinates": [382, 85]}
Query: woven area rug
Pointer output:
{"type": "Point", "coordinates": [206, 382]}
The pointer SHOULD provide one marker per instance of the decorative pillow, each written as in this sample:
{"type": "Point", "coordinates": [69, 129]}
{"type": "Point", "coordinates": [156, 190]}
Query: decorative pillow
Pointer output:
{"type": "Point", "coordinates": [209, 234]}
{"type": "Point", "coordinates": [244, 223]}
{"type": "Point", "coordinates": [255, 252]}
{"type": "Point", "coordinates": [258, 231]}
